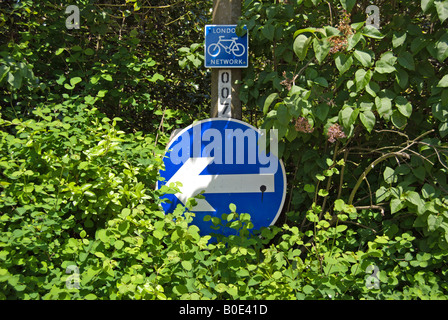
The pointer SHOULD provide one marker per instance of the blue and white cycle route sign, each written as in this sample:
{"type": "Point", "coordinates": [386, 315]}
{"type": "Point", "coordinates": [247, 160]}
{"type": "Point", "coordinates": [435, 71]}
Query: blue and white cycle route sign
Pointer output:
{"type": "Point", "coordinates": [224, 49]}
{"type": "Point", "coordinates": [227, 161]}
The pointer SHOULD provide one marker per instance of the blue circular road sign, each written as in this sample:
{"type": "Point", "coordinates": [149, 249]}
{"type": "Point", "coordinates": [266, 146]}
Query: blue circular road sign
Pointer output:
{"type": "Point", "coordinates": [228, 160]}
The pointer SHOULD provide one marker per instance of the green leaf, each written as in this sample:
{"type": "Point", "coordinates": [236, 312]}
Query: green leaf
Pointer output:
{"type": "Point", "coordinates": [341, 228]}
{"type": "Point", "coordinates": [372, 32]}
{"type": "Point", "coordinates": [59, 51]}
{"type": "Point", "coordinates": [362, 78]}
{"type": "Point", "coordinates": [118, 244]}
{"type": "Point", "coordinates": [301, 45]}
{"type": "Point", "coordinates": [389, 175]}
{"type": "Point", "coordinates": [321, 49]}
{"type": "Point", "coordinates": [418, 44]}
{"type": "Point", "coordinates": [363, 57]}
{"type": "Point", "coordinates": [386, 63]}
{"type": "Point", "coordinates": [348, 116]}
{"type": "Point", "coordinates": [348, 4]}
{"type": "Point", "coordinates": [398, 120]}
{"type": "Point", "coordinates": [339, 205]}
{"type": "Point", "coordinates": [268, 31]}
{"type": "Point", "coordinates": [404, 106]}
{"type": "Point", "coordinates": [443, 83]}
{"type": "Point", "coordinates": [353, 40]}
{"type": "Point", "coordinates": [309, 188]}
{"type": "Point", "coordinates": [442, 9]}
{"type": "Point", "coordinates": [75, 80]}
{"type": "Point", "coordinates": [443, 129]}
{"type": "Point", "coordinates": [368, 120]}
{"type": "Point", "coordinates": [343, 62]}
{"type": "Point", "coordinates": [427, 5]}
{"type": "Point", "coordinates": [157, 76]}
{"type": "Point", "coordinates": [307, 289]}
{"type": "Point", "coordinates": [232, 207]}
{"type": "Point", "coordinates": [312, 30]}
{"type": "Point", "coordinates": [106, 76]}
{"type": "Point", "coordinates": [15, 79]}
{"type": "Point", "coordinates": [283, 115]}
{"type": "Point", "coordinates": [187, 265]}
{"type": "Point", "coordinates": [158, 234]}
{"type": "Point", "coordinates": [100, 254]}
{"type": "Point", "coordinates": [89, 52]}
{"type": "Point", "coordinates": [269, 101]}
{"type": "Point", "coordinates": [402, 78]}
{"type": "Point", "coordinates": [398, 39]}
{"type": "Point", "coordinates": [322, 111]}
{"type": "Point", "coordinates": [396, 205]}
{"type": "Point", "coordinates": [383, 103]}
{"type": "Point", "coordinates": [428, 191]}
{"type": "Point", "coordinates": [406, 60]}
{"type": "Point", "coordinates": [441, 48]}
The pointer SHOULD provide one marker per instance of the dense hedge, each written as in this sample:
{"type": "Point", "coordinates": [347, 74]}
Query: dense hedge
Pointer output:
{"type": "Point", "coordinates": [362, 118]}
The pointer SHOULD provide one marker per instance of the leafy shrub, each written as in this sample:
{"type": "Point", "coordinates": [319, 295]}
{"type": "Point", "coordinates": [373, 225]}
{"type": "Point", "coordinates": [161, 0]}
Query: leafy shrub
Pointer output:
{"type": "Point", "coordinates": [362, 117]}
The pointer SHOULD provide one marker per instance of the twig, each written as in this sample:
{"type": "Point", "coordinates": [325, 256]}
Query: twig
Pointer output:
{"type": "Point", "coordinates": [370, 167]}
{"type": "Point", "coordinates": [158, 130]}
{"type": "Point", "coordinates": [372, 207]}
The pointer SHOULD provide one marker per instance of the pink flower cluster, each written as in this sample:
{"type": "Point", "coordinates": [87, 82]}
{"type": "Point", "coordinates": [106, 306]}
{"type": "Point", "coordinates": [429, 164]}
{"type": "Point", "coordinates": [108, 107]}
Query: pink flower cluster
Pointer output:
{"type": "Point", "coordinates": [335, 132]}
{"type": "Point", "coordinates": [303, 125]}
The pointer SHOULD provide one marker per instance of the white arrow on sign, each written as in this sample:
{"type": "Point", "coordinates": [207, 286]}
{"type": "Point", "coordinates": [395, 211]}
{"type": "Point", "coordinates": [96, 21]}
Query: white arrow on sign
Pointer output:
{"type": "Point", "coordinates": [193, 183]}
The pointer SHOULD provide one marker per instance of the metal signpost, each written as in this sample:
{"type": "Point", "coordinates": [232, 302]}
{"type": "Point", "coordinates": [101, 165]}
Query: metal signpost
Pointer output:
{"type": "Point", "coordinates": [224, 158]}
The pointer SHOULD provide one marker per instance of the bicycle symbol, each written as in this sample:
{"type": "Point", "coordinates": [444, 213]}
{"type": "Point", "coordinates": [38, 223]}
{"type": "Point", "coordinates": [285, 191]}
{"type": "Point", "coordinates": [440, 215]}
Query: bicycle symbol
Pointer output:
{"type": "Point", "coordinates": [233, 47]}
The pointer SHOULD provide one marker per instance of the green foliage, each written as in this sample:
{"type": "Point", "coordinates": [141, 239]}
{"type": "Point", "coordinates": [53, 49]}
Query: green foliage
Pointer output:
{"type": "Point", "coordinates": [362, 120]}
{"type": "Point", "coordinates": [363, 124]}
